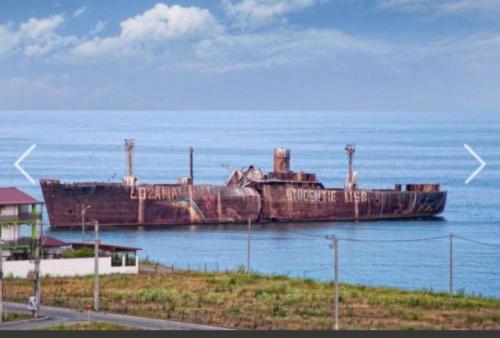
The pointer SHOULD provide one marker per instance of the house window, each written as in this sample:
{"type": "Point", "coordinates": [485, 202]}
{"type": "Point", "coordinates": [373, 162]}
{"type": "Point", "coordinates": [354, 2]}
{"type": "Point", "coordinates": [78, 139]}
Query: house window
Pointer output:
{"type": "Point", "coordinates": [130, 259]}
{"type": "Point", "coordinates": [25, 209]}
{"type": "Point", "coordinates": [116, 259]}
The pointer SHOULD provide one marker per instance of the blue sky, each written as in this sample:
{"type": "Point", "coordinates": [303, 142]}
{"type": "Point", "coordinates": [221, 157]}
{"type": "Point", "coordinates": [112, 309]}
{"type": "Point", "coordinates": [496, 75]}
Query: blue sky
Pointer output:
{"type": "Point", "coordinates": [336, 55]}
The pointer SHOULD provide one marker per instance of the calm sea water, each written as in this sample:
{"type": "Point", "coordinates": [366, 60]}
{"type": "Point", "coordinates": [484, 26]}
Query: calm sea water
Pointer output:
{"type": "Point", "coordinates": [392, 148]}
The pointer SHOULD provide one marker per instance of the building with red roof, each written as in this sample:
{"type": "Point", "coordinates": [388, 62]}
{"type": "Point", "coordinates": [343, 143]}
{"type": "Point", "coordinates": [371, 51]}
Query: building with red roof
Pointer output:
{"type": "Point", "coordinates": [14, 196]}
{"type": "Point", "coordinates": [59, 258]}
{"type": "Point", "coordinates": [17, 208]}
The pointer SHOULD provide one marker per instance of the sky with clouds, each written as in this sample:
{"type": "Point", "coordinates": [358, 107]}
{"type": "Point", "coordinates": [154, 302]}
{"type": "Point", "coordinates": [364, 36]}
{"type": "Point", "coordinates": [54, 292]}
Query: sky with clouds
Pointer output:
{"type": "Point", "coordinates": [336, 55]}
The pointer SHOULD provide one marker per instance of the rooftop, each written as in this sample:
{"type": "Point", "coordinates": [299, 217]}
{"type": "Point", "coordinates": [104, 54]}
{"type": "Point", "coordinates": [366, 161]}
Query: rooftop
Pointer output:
{"type": "Point", "coordinates": [47, 242]}
{"type": "Point", "coordinates": [105, 247]}
{"type": "Point", "coordinates": [14, 196]}
{"type": "Point", "coordinates": [52, 242]}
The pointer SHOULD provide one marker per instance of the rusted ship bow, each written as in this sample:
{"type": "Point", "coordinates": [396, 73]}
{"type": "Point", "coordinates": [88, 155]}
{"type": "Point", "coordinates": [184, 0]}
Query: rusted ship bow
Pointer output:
{"type": "Point", "coordinates": [278, 196]}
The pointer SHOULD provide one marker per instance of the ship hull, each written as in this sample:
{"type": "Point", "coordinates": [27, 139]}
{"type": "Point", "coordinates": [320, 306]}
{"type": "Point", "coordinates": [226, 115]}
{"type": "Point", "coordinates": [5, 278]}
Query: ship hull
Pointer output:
{"type": "Point", "coordinates": [289, 203]}
{"type": "Point", "coordinates": [115, 204]}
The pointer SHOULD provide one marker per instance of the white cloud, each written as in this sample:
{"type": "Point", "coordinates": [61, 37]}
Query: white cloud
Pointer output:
{"type": "Point", "coordinates": [98, 27]}
{"type": "Point", "coordinates": [445, 7]}
{"type": "Point", "coordinates": [471, 5]}
{"type": "Point", "coordinates": [38, 37]}
{"type": "Point", "coordinates": [190, 37]}
{"type": "Point", "coordinates": [176, 36]}
{"type": "Point", "coordinates": [150, 31]}
{"type": "Point", "coordinates": [163, 23]}
{"type": "Point", "coordinates": [8, 40]}
{"type": "Point", "coordinates": [256, 13]}
{"type": "Point", "coordinates": [79, 12]}
{"type": "Point", "coordinates": [40, 28]}
{"type": "Point", "coordinates": [281, 47]}
{"type": "Point", "coordinates": [34, 37]}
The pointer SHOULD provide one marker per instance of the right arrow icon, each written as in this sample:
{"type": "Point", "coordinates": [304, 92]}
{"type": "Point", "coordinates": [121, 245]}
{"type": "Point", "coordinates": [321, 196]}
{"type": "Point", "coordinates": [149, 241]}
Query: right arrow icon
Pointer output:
{"type": "Point", "coordinates": [479, 159]}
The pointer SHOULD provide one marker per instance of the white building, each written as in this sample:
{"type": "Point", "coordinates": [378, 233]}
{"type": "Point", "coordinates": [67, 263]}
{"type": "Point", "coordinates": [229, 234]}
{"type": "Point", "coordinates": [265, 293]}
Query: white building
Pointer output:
{"type": "Point", "coordinates": [59, 259]}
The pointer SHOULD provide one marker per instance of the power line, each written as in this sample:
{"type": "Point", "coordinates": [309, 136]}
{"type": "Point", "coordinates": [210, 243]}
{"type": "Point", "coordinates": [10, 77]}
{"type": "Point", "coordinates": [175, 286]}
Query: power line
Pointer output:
{"type": "Point", "coordinates": [307, 235]}
{"type": "Point", "coordinates": [477, 242]}
{"type": "Point", "coordinates": [390, 240]}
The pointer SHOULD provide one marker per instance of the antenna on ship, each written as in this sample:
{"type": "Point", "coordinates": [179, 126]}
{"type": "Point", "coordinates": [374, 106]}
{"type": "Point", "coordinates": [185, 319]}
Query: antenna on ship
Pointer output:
{"type": "Point", "coordinates": [350, 183]}
{"type": "Point", "coordinates": [130, 179]}
{"type": "Point", "coordinates": [191, 174]}
{"type": "Point", "coordinates": [188, 180]}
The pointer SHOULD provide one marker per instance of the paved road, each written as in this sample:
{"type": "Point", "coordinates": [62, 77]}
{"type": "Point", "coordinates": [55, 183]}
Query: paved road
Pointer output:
{"type": "Point", "coordinates": [55, 315]}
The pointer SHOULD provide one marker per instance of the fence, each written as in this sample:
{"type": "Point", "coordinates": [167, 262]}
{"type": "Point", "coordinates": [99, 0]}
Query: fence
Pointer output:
{"type": "Point", "coordinates": [324, 263]}
{"type": "Point", "coordinates": [333, 262]}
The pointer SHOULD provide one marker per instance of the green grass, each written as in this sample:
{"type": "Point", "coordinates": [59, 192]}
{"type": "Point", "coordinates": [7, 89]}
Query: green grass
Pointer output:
{"type": "Point", "coordinates": [14, 316]}
{"type": "Point", "coordinates": [85, 326]}
{"type": "Point", "coordinates": [256, 301]}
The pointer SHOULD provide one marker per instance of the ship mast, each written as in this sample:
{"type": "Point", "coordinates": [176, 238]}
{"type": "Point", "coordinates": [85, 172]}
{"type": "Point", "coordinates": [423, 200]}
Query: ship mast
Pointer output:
{"type": "Point", "coordinates": [350, 182]}
{"type": "Point", "coordinates": [191, 174]}
{"type": "Point", "coordinates": [130, 179]}
{"type": "Point", "coordinates": [129, 148]}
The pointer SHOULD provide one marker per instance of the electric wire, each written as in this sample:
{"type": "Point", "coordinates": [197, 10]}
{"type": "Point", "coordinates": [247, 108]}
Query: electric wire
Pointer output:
{"type": "Point", "coordinates": [389, 240]}
{"type": "Point", "coordinates": [494, 245]}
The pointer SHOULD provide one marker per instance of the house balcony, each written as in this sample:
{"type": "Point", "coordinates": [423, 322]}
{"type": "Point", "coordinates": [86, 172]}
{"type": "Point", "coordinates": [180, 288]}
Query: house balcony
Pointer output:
{"type": "Point", "coordinates": [23, 218]}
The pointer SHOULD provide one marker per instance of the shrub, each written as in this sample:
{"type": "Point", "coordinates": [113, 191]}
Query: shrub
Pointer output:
{"type": "Point", "coordinates": [156, 294]}
{"type": "Point", "coordinates": [79, 253]}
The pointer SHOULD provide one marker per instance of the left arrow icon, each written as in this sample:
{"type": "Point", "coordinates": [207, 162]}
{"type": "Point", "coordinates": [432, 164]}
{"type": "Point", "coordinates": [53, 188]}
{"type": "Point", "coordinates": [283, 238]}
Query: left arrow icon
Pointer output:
{"type": "Point", "coordinates": [17, 164]}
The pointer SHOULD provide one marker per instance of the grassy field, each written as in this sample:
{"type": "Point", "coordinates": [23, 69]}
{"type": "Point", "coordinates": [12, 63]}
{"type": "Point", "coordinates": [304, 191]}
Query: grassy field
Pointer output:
{"type": "Point", "coordinates": [14, 316]}
{"type": "Point", "coordinates": [265, 302]}
{"type": "Point", "coordinates": [85, 326]}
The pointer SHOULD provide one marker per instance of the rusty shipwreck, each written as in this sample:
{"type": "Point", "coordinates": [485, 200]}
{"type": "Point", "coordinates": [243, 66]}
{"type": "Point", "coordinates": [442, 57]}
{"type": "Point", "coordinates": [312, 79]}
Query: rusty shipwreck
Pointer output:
{"type": "Point", "coordinates": [278, 196]}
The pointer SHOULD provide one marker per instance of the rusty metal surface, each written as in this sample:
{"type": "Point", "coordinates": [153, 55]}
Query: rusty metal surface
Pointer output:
{"type": "Point", "coordinates": [282, 195]}
{"type": "Point", "coordinates": [287, 202]}
{"type": "Point", "coordinates": [281, 160]}
{"type": "Point", "coordinates": [117, 204]}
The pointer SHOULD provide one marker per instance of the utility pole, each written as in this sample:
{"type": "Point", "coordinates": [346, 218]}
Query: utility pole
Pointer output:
{"type": "Point", "coordinates": [249, 247]}
{"type": "Point", "coordinates": [451, 264]}
{"type": "Point", "coordinates": [1, 281]}
{"type": "Point", "coordinates": [38, 245]}
{"type": "Point", "coordinates": [336, 283]}
{"type": "Point", "coordinates": [96, 266]}
{"type": "Point", "coordinates": [335, 310]}
{"type": "Point", "coordinates": [84, 209]}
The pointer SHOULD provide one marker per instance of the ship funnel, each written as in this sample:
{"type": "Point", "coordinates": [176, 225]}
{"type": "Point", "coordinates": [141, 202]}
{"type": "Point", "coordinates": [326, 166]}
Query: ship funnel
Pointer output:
{"type": "Point", "coordinates": [281, 160]}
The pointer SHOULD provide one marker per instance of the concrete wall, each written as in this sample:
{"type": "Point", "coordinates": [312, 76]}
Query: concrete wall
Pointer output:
{"type": "Point", "coordinates": [9, 210]}
{"type": "Point", "coordinates": [10, 232]}
{"type": "Point", "coordinates": [67, 267]}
